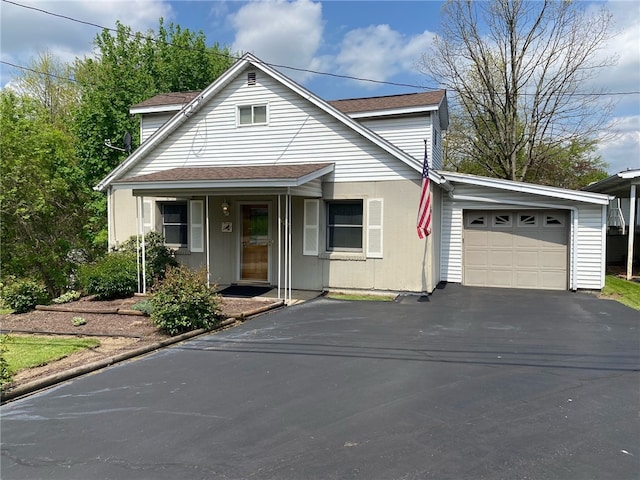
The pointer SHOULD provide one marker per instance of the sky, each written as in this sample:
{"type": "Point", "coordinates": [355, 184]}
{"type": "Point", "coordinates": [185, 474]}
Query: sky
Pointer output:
{"type": "Point", "coordinates": [367, 39]}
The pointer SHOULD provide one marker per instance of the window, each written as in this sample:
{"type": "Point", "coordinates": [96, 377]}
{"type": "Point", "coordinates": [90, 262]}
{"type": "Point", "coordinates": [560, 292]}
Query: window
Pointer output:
{"type": "Point", "coordinates": [551, 220]}
{"type": "Point", "coordinates": [527, 220]}
{"type": "Point", "coordinates": [502, 220]}
{"type": "Point", "coordinates": [174, 223]}
{"type": "Point", "coordinates": [476, 220]}
{"type": "Point", "coordinates": [344, 225]}
{"type": "Point", "coordinates": [252, 115]}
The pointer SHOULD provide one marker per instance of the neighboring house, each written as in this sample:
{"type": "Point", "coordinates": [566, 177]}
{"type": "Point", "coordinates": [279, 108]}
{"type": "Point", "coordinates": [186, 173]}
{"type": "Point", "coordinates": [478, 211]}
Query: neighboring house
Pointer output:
{"type": "Point", "coordinates": [623, 234]}
{"type": "Point", "coordinates": [261, 181]}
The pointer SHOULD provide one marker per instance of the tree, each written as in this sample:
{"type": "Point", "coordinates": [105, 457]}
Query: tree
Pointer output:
{"type": "Point", "coordinates": [41, 194]}
{"type": "Point", "coordinates": [520, 71]}
{"type": "Point", "coordinates": [50, 82]}
{"type": "Point", "coordinates": [127, 69]}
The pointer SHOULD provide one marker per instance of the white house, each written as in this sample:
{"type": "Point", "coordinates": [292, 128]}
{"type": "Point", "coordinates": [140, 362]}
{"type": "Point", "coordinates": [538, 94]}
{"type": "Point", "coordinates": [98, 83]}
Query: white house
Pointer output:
{"type": "Point", "coordinates": [261, 181]}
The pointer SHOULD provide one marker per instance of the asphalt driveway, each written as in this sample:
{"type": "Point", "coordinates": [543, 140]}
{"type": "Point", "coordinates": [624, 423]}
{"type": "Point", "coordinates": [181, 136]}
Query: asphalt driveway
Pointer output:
{"type": "Point", "coordinates": [468, 383]}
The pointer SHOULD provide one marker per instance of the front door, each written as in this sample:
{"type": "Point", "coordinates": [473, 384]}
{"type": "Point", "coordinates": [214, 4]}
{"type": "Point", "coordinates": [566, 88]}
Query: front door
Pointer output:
{"type": "Point", "coordinates": [254, 264]}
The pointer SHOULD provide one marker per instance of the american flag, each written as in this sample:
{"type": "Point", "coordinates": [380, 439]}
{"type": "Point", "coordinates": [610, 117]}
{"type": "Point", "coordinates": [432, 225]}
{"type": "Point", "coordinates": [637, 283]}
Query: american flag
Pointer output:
{"type": "Point", "coordinates": [424, 210]}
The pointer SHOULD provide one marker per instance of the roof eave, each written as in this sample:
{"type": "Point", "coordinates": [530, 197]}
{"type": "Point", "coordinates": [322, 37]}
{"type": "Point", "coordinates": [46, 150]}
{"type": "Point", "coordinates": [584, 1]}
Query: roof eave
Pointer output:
{"type": "Point", "coordinates": [530, 188]}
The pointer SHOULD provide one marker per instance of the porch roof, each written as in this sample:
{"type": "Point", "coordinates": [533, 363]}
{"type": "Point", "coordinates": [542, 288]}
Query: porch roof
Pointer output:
{"type": "Point", "coordinates": [243, 176]}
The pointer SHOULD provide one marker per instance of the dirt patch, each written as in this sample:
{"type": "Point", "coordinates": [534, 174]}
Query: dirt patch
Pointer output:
{"type": "Point", "coordinates": [117, 333]}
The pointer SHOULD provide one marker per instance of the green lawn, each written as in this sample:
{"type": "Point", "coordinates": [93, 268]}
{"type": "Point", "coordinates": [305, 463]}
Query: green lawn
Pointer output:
{"type": "Point", "coordinates": [624, 291]}
{"type": "Point", "coordinates": [32, 351]}
{"type": "Point", "coordinates": [361, 296]}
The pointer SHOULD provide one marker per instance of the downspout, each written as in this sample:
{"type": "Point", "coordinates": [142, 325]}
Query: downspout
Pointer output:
{"type": "Point", "coordinates": [574, 223]}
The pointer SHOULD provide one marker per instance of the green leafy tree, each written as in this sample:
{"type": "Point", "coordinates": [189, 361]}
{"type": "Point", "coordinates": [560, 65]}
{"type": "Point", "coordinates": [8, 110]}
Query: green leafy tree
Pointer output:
{"type": "Point", "coordinates": [41, 194]}
{"type": "Point", "coordinates": [519, 72]}
{"type": "Point", "coordinates": [128, 68]}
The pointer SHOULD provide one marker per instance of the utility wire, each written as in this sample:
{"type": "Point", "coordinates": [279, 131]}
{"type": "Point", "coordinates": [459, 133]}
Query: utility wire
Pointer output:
{"type": "Point", "coordinates": [274, 65]}
{"type": "Point", "coordinates": [229, 56]}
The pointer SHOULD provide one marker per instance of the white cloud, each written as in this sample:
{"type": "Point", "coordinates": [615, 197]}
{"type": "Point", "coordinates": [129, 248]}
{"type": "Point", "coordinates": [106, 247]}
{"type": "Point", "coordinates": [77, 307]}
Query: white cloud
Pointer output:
{"type": "Point", "coordinates": [620, 145]}
{"type": "Point", "coordinates": [26, 32]}
{"type": "Point", "coordinates": [378, 52]}
{"type": "Point", "coordinates": [281, 32]}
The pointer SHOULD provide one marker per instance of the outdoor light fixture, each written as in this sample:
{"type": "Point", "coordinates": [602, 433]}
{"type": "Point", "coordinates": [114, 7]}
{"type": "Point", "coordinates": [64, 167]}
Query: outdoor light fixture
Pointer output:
{"type": "Point", "coordinates": [225, 209]}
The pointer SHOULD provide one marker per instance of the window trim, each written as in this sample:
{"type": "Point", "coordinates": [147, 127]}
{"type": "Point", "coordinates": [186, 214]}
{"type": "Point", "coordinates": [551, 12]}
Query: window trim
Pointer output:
{"type": "Point", "coordinates": [363, 226]}
{"type": "Point", "coordinates": [253, 122]}
{"type": "Point", "coordinates": [185, 204]}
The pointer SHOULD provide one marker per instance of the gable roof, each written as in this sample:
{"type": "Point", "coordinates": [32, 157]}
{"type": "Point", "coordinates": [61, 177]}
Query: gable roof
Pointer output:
{"type": "Point", "coordinates": [522, 187]}
{"type": "Point", "coordinates": [403, 104]}
{"type": "Point", "coordinates": [203, 97]}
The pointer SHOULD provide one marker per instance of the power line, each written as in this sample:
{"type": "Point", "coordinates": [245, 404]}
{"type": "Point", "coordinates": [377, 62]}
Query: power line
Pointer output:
{"type": "Point", "coordinates": [274, 65]}
{"type": "Point", "coordinates": [229, 56]}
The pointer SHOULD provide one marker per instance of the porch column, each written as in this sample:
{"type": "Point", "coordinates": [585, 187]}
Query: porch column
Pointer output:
{"type": "Point", "coordinates": [144, 248]}
{"type": "Point", "coordinates": [206, 237]}
{"type": "Point", "coordinates": [632, 226]}
{"type": "Point", "coordinates": [279, 244]}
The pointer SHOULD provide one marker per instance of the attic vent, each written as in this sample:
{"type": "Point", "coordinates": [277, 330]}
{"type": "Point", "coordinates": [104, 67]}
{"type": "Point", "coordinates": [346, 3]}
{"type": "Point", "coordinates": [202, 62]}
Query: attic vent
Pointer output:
{"type": "Point", "coordinates": [251, 78]}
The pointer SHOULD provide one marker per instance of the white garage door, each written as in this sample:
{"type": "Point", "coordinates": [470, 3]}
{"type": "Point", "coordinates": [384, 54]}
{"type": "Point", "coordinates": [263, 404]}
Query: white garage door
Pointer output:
{"type": "Point", "coordinates": [519, 249]}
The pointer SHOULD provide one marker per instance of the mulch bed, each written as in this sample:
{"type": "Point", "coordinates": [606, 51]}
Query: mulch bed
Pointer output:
{"type": "Point", "coordinates": [107, 324]}
{"type": "Point", "coordinates": [118, 333]}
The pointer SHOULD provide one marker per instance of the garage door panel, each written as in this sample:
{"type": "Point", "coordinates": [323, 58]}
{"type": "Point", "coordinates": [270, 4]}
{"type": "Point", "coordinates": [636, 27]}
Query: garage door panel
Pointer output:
{"type": "Point", "coordinates": [500, 239]}
{"type": "Point", "coordinates": [554, 280]}
{"type": "Point", "coordinates": [553, 259]}
{"type": "Point", "coordinates": [477, 258]}
{"type": "Point", "coordinates": [527, 259]}
{"type": "Point", "coordinates": [524, 252]}
{"type": "Point", "coordinates": [475, 277]}
{"type": "Point", "coordinates": [527, 279]}
{"type": "Point", "coordinates": [501, 278]}
{"type": "Point", "coordinates": [500, 259]}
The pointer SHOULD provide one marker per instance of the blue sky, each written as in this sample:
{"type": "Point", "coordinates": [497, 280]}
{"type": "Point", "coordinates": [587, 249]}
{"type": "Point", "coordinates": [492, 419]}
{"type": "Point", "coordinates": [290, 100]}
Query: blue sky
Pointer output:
{"type": "Point", "coordinates": [380, 40]}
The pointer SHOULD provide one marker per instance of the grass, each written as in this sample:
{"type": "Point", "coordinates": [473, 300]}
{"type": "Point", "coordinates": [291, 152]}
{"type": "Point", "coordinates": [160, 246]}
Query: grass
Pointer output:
{"type": "Point", "coordinates": [623, 291]}
{"type": "Point", "coordinates": [32, 351]}
{"type": "Point", "coordinates": [358, 296]}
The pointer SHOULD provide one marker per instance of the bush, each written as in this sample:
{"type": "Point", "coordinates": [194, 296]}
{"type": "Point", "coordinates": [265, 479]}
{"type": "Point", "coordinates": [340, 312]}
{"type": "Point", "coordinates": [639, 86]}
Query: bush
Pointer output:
{"type": "Point", "coordinates": [113, 276]}
{"type": "Point", "coordinates": [158, 256]}
{"type": "Point", "coordinates": [5, 374]}
{"type": "Point", "coordinates": [143, 306]}
{"type": "Point", "coordinates": [67, 297]}
{"type": "Point", "coordinates": [23, 295]}
{"type": "Point", "coordinates": [184, 302]}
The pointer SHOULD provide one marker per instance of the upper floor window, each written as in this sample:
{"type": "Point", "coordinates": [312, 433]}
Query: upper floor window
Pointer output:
{"type": "Point", "coordinates": [252, 115]}
{"type": "Point", "coordinates": [344, 225]}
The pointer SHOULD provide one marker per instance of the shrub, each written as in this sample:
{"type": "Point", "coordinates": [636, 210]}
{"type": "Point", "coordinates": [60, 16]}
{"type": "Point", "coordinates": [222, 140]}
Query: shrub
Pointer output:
{"type": "Point", "coordinates": [183, 302]}
{"type": "Point", "coordinates": [5, 373]}
{"type": "Point", "coordinates": [67, 297]}
{"type": "Point", "coordinates": [78, 321]}
{"type": "Point", "coordinates": [113, 276]}
{"type": "Point", "coordinates": [23, 295]}
{"type": "Point", "coordinates": [158, 257]}
{"type": "Point", "coordinates": [143, 306]}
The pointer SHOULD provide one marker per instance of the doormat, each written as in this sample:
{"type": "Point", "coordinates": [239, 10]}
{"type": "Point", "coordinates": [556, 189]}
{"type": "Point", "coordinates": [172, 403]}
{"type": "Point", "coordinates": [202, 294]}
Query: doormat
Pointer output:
{"type": "Point", "coordinates": [244, 291]}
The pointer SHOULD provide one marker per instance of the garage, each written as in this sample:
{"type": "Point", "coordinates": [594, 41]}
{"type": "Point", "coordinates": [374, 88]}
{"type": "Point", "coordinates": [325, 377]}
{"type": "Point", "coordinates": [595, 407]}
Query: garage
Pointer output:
{"type": "Point", "coordinates": [516, 249]}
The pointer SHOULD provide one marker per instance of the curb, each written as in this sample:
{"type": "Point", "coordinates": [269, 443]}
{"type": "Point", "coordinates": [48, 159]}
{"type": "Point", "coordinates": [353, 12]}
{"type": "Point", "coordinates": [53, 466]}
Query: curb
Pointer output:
{"type": "Point", "coordinates": [46, 382]}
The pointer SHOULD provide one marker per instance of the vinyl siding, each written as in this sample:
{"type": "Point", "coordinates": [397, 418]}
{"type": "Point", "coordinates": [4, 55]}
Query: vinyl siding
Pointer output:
{"type": "Point", "coordinates": [150, 123]}
{"type": "Point", "coordinates": [407, 133]}
{"type": "Point", "coordinates": [590, 247]}
{"type": "Point", "coordinates": [297, 132]}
